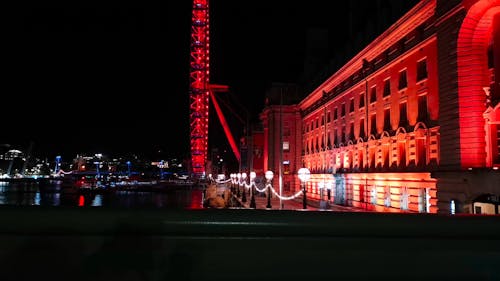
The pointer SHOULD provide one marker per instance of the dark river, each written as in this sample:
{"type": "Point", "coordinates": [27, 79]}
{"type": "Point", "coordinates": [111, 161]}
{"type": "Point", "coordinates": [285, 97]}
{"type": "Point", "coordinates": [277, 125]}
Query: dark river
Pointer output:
{"type": "Point", "coordinates": [29, 194]}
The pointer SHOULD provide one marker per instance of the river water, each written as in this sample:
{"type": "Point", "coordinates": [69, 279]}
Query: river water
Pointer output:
{"type": "Point", "coordinates": [29, 194]}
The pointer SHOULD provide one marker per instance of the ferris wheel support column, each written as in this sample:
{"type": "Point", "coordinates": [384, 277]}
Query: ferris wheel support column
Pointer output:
{"type": "Point", "coordinates": [199, 86]}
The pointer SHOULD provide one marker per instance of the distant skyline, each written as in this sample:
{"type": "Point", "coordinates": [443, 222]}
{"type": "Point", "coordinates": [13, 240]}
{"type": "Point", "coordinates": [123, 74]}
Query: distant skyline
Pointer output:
{"type": "Point", "coordinates": [116, 79]}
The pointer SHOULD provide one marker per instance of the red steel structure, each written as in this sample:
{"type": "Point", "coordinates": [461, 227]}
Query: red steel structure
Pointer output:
{"type": "Point", "coordinates": [199, 85]}
{"type": "Point", "coordinates": [201, 90]}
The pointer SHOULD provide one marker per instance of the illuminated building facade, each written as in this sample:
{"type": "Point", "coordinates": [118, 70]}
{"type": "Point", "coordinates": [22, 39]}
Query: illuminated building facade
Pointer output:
{"type": "Point", "coordinates": [412, 122]}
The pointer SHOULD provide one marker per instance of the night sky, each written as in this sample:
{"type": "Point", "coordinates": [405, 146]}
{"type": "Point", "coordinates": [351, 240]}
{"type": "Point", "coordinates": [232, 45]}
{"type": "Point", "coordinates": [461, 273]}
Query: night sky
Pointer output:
{"type": "Point", "coordinates": [97, 78]}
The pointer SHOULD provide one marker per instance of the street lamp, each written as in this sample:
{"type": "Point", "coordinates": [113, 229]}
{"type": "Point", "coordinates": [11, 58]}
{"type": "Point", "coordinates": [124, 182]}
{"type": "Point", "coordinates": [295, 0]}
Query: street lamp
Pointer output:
{"type": "Point", "coordinates": [231, 176]}
{"type": "Point", "coordinates": [252, 192]}
{"type": "Point", "coordinates": [237, 178]}
{"type": "Point", "coordinates": [244, 196]}
{"type": "Point", "coordinates": [304, 176]}
{"type": "Point", "coordinates": [269, 178]}
{"type": "Point", "coordinates": [58, 164]}
{"type": "Point", "coordinates": [128, 167]}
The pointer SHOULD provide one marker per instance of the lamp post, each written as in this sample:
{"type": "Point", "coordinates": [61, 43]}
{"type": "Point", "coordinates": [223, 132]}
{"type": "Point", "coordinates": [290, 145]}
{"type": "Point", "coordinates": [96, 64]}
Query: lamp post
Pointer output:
{"type": "Point", "coordinates": [231, 176]}
{"type": "Point", "coordinates": [128, 167]}
{"type": "Point", "coordinates": [269, 178]}
{"type": "Point", "coordinates": [252, 192]}
{"type": "Point", "coordinates": [244, 195]}
{"type": "Point", "coordinates": [304, 176]}
{"type": "Point", "coordinates": [238, 178]}
{"type": "Point", "coordinates": [58, 164]}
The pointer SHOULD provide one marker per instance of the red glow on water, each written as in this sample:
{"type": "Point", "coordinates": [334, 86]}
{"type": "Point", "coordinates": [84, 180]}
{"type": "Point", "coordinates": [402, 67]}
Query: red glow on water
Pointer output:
{"type": "Point", "coordinates": [196, 199]}
{"type": "Point", "coordinates": [81, 201]}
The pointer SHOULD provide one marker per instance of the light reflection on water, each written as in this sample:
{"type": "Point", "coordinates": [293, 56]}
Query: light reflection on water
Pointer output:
{"type": "Point", "coordinates": [29, 194]}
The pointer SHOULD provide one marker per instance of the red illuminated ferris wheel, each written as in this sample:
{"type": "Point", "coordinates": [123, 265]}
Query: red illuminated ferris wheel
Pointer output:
{"type": "Point", "coordinates": [201, 90]}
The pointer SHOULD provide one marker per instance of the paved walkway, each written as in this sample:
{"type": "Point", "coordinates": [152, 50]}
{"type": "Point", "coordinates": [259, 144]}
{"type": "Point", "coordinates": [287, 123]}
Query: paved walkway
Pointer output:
{"type": "Point", "coordinates": [295, 204]}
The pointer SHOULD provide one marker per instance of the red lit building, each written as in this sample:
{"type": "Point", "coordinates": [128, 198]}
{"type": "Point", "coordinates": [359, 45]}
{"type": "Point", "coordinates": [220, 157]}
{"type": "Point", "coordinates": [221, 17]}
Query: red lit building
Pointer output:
{"type": "Point", "coordinates": [411, 123]}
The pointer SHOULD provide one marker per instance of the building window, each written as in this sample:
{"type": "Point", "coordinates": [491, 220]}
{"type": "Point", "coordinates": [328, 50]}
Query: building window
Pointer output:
{"type": "Point", "coordinates": [403, 119]}
{"type": "Point", "coordinates": [424, 202]}
{"type": "Point", "coordinates": [421, 70]}
{"type": "Point", "coordinates": [373, 95]}
{"type": "Point", "coordinates": [335, 114]}
{"type": "Point", "coordinates": [351, 105]}
{"type": "Point", "coordinates": [335, 137]}
{"type": "Point", "coordinates": [387, 88]}
{"type": "Point", "coordinates": [322, 120]}
{"type": "Point", "coordinates": [373, 122]}
{"type": "Point", "coordinates": [317, 122]}
{"type": "Point", "coordinates": [387, 119]}
{"type": "Point", "coordinates": [477, 210]}
{"type": "Point", "coordinates": [452, 207]}
{"type": "Point", "coordinates": [342, 110]}
{"type": "Point", "coordinates": [422, 109]}
{"type": "Point", "coordinates": [343, 135]}
{"type": "Point", "coordinates": [362, 100]}
{"type": "Point", "coordinates": [328, 117]}
{"type": "Point", "coordinates": [403, 81]}
{"type": "Point", "coordinates": [286, 146]}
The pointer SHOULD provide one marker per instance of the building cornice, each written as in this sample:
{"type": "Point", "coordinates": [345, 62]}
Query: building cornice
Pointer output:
{"type": "Point", "coordinates": [417, 16]}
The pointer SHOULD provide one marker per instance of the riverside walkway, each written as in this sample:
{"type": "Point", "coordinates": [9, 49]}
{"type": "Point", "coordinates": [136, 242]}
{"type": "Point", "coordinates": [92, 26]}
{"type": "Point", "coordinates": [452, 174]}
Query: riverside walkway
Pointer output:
{"type": "Point", "coordinates": [261, 202]}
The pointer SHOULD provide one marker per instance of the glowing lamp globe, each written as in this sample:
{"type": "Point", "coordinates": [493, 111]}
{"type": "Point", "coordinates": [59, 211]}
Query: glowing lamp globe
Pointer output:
{"type": "Point", "coordinates": [269, 175]}
{"type": "Point", "coordinates": [304, 174]}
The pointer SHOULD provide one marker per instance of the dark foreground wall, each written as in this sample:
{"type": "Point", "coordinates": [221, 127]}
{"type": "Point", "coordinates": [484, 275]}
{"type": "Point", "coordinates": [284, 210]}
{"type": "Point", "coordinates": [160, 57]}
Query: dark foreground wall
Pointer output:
{"type": "Point", "coordinates": [112, 244]}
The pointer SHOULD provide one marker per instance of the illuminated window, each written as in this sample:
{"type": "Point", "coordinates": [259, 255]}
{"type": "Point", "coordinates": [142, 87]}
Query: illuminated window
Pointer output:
{"type": "Point", "coordinates": [286, 146]}
{"type": "Point", "coordinates": [424, 200]}
{"type": "Point", "coordinates": [452, 207]}
{"type": "Point", "coordinates": [421, 70]}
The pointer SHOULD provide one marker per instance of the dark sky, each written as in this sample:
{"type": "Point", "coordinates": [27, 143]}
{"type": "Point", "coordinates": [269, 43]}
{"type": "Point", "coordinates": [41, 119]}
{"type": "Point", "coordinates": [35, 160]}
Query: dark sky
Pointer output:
{"type": "Point", "coordinates": [108, 79]}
